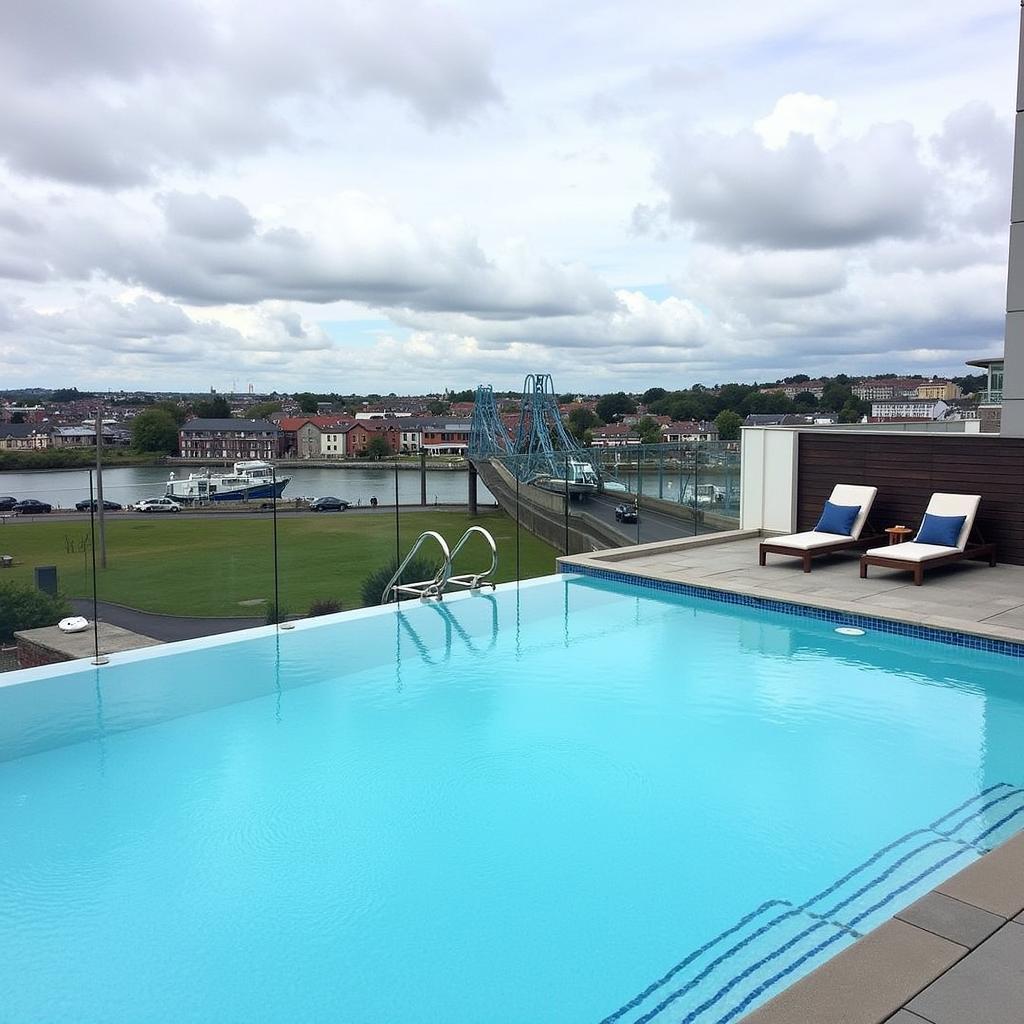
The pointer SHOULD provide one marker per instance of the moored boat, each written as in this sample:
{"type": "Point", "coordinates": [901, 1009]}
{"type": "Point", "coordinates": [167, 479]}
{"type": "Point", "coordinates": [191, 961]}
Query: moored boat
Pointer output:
{"type": "Point", "coordinates": [247, 481]}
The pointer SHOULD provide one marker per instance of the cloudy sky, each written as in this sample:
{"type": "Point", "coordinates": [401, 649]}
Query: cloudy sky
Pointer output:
{"type": "Point", "coordinates": [403, 196]}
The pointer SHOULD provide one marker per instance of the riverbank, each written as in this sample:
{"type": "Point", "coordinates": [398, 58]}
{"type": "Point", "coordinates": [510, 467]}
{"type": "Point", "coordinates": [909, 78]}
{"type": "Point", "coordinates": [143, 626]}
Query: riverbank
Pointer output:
{"type": "Point", "coordinates": [73, 458]}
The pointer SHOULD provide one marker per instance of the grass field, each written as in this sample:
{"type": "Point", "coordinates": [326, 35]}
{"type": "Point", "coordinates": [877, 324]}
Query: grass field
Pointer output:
{"type": "Point", "coordinates": [186, 566]}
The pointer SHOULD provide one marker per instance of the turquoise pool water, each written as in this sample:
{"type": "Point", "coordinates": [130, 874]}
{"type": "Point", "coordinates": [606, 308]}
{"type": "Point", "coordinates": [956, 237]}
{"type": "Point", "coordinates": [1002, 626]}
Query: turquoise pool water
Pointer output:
{"type": "Point", "coordinates": [572, 801]}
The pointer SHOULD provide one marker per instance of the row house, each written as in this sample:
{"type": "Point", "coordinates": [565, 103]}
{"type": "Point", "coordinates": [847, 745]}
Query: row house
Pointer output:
{"type": "Point", "coordinates": [445, 438]}
{"type": "Point", "coordinates": [614, 435]}
{"type": "Point", "coordinates": [886, 389]}
{"type": "Point", "coordinates": [231, 439]}
{"type": "Point", "coordinates": [689, 430]}
{"type": "Point", "coordinates": [302, 436]}
{"type": "Point", "coordinates": [911, 409]}
{"type": "Point", "coordinates": [359, 434]}
{"type": "Point", "coordinates": [945, 390]}
{"type": "Point", "coordinates": [814, 387]}
{"type": "Point", "coordinates": [23, 437]}
{"type": "Point", "coordinates": [22, 413]}
{"type": "Point", "coordinates": [85, 437]}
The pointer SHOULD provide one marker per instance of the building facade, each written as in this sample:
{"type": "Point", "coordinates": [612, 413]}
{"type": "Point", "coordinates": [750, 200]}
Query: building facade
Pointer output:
{"type": "Point", "coordinates": [230, 439]}
{"type": "Point", "coordinates": [23, 437]}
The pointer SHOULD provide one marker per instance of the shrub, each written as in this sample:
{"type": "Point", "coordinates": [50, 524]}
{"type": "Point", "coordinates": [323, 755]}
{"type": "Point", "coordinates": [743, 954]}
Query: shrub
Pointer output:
{"type": "Point", "coordinates": [325, 606]}
{"type": "Point", "coordinates": [274, 614]}
{"type": "Point", "coordinates": [24, 607]}
{"type": "Point", "coordinates": [373, 586]}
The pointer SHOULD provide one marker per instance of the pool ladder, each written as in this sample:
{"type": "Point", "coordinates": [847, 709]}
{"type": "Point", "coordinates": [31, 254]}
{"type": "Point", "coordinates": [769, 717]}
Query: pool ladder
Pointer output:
{"type": "Point", "coordinates": [443, 578]}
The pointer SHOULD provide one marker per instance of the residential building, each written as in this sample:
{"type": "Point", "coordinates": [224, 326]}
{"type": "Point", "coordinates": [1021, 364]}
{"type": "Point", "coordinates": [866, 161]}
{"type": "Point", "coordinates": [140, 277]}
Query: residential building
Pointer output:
{"type": "Point", "coordinates": [230, 439]}
{"type": "Point", "coordinates": [359, 433]}
{"type": "Point", "coordinates": [614, 435]}
{"type": "Point", "coordinates": [945, 390]}
{"type": "Point", "coordinates": [85, 436]}
{"type": "Point", "coordinates": [689, 430]}
{"type": "Point", "coordinates": [814, 387]}
{"type": "Point", "coordinates": [302, 436]}
{"type": "Point", "coordinates": [908, 409]}
{"type": "Point", "coordinates": [777, 419]}
{"type": "Point", "coordinates": [21, 437]}
{"type": "Point", "coordinates": [22, 413]}
{"type": "Point", "coordinates": [333, 441]}
{"type": "Point", "coordinates": [886, 389]}
{"type": "Point", "coordinates": [445, 437]}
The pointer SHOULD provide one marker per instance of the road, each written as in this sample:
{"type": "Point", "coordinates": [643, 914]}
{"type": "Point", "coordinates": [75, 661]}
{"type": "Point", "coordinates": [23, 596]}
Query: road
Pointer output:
{"type": "Point", "coordinates": [654, 526]}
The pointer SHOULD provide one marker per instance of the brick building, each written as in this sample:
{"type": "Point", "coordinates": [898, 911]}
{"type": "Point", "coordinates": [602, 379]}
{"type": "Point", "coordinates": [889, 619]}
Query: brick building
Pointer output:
{"type": "Point", "coordinates": [230, 439]}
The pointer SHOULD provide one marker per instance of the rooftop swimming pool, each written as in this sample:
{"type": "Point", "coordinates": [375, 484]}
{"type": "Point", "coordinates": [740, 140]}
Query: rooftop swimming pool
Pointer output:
{"type": "Point", "coordinates": [574, 800]}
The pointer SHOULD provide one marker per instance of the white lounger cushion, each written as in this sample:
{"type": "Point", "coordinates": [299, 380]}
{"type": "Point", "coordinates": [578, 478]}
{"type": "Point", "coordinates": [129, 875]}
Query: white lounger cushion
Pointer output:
{"type": "Point", "coordinates": [842, 494]}
{"type": "Point", "coordinates": [965, 505]}
{"type": "Point", "coordinates": [807, 541]}
{"type": "Point", "coordinates": [911, 551]}
{"type": "Point", "coordinates": [855, 494]}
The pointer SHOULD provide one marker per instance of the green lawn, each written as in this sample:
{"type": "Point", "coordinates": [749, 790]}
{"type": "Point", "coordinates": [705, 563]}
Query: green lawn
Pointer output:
{"type": "Point", "coordinates": [198, 566]}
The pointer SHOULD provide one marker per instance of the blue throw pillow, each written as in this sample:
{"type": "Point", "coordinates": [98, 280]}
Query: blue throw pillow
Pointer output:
{"type": "Point", "coordinates": [942, 530]}
{"type": "Point", "coordinates": [837, 519]}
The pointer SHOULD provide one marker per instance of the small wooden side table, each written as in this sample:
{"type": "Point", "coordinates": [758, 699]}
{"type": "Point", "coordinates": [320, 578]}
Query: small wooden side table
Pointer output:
{"type": "Point", "coordinates": [898, 534]}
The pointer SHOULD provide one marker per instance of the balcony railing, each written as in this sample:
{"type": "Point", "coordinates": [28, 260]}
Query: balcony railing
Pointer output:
{"type": "Point", "coordinates": [994, 396]}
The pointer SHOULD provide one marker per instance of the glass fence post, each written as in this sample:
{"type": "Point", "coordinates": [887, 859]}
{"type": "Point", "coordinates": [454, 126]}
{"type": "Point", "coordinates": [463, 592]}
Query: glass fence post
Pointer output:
{"type": "Point", "coordinates": [98, 658]}
{"type": "Point", "coordinates": [282, 623]}
{"type": "Point", "coordinates": [639, 486]}
{"type": "Point", "coordinates": [518, 576]}
{"type": "Point", "coordinates": [567, 504]}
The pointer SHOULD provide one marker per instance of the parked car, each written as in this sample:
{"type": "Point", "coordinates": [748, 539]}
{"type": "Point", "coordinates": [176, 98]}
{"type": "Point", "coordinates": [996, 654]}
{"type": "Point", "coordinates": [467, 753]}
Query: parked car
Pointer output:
{"type": "Point", "coordinates": [328, 504]}
{"type": "Point", "coordinates": [156, 505]}
{"type": "Point", "coordinates": [7, 503]}
{"type": "Point", "coordinates": [627, 513]}
{"type": "Point", "coordinates": [30, 507]}
{"type": "Point", "coordinates": [87, 504]}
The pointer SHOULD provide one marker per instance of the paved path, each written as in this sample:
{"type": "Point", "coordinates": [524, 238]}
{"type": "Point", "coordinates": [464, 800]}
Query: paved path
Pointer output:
{"type": "Point", "coordinates": [161, 627]}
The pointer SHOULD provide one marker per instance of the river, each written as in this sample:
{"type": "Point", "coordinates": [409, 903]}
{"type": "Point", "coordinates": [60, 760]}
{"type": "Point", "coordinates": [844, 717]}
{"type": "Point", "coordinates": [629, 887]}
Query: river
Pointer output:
{"type": "Point", "coordinates": [125, 484]}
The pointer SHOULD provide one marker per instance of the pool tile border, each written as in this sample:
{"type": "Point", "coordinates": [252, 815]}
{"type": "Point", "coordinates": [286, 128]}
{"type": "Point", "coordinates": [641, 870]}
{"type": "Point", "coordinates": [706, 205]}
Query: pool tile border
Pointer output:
{"type": "Point", "coordinates": [952, 638]}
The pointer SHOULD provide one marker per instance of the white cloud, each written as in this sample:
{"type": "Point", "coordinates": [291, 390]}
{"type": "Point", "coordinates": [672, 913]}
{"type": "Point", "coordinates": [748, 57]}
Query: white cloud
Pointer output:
{"type": "Point", "coordinates": [343, 195]}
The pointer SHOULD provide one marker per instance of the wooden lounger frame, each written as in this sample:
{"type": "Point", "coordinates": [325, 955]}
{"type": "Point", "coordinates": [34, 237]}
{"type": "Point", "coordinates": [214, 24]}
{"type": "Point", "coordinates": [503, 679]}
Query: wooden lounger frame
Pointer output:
{"type": "Point", "coordinates": [979, 551]}
{"type": "Point", "coordinates": [807, 555]}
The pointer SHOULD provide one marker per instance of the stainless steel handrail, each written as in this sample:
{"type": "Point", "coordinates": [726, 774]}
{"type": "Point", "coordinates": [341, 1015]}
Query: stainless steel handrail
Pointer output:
{"type": "Point", "coordinates": [426, 588]}
{"type": "Point", "coordinates": [472, 580]}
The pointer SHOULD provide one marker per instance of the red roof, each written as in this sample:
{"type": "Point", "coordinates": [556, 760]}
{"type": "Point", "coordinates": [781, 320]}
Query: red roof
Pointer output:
{"type": "Point", "coordinates": [293, 423]}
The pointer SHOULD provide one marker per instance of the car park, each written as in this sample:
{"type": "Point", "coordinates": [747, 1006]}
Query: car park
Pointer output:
{"type": "Point", "coordinates": [156, 505]}
{"type": "Point", "coordinates": [328, 504]}
{"type": "Point", "coordinates": [30, 506]}
{"type": "Point", "coordinates": [627, 513]}
{"type": "Point", "coordinates": [7, 503]}
{"type": "Point", "coordinates": [87, 504]}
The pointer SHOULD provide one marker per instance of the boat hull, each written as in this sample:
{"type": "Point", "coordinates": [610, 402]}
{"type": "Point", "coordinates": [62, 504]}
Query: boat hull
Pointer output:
{"type": "Point", "coordinates": [251, 493]}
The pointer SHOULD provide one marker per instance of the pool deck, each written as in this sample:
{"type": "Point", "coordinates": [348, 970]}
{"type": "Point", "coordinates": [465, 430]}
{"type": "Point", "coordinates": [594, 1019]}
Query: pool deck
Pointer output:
{"type": "Point", "coordinates": [956, 956]}
{"type": "Point", "coordinates": [966, 597]}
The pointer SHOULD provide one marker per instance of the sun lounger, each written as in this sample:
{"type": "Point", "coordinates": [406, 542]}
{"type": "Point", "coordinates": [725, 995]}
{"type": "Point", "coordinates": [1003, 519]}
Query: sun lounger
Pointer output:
{"type": "Point", "coordinates": [916, 556]}
{"type": "Point", "coordinates": [812, 543]}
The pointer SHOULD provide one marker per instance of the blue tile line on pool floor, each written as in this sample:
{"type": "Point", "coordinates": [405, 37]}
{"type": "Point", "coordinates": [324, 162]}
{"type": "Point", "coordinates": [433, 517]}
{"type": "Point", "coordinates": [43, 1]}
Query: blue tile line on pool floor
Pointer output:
{"type": "Point", "coordinates": [828, 917]}
{"type": "Point", "coordinates": [973, 641]}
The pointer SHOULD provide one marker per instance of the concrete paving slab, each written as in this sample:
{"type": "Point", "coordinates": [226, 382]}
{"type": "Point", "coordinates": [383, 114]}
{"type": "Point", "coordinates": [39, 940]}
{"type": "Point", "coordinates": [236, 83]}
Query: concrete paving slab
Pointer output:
{"type": "Point", "coordinates": [995, 883]}
{"type": "Point", "coordinates": [971, 597]}
{"type": "Point", "coordinates": [906, 1017]}
{"type": "Point", "coordinates": [867, 981]}
{"type": "Point", "coordinates": [953, 920]}
{"type": "Point", "coordinates": [986, 987]}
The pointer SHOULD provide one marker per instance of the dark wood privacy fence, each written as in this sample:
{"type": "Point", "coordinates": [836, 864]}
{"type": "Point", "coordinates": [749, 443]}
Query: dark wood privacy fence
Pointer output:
{"type": "Point", "coordinates": [907, 468]}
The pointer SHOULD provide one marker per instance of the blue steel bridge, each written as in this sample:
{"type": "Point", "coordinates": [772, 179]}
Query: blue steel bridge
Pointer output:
{"type": "Point", "coordinates": [541, 451]}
